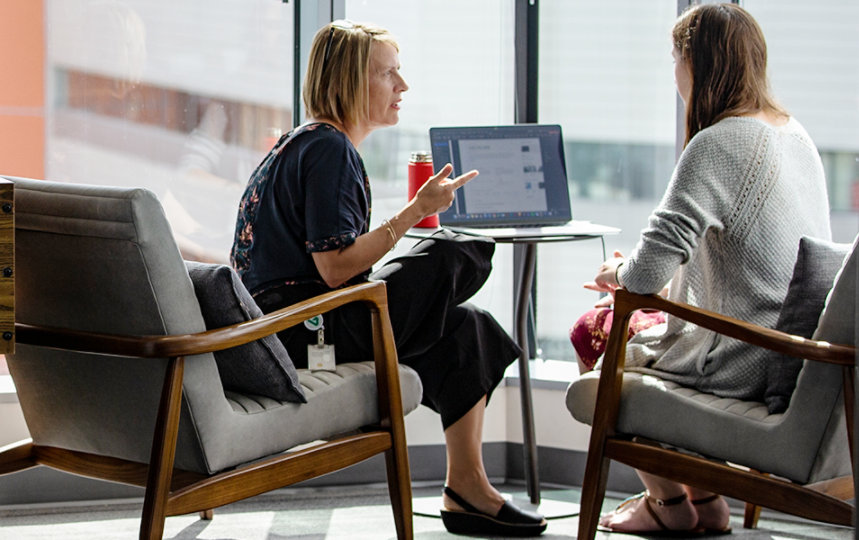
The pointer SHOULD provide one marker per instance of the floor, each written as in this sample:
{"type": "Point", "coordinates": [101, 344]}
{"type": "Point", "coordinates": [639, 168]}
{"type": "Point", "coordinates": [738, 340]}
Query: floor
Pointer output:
{"type": "Point", "coordinates": [350, 512]}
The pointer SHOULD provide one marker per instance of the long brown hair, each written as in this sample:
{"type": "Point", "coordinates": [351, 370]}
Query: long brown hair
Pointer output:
{"type": "Point", "coordinates": [727, 54]}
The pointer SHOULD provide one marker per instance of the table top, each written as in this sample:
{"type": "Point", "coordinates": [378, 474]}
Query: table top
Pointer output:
{"type": "Point", "coordinates": [575, 230]}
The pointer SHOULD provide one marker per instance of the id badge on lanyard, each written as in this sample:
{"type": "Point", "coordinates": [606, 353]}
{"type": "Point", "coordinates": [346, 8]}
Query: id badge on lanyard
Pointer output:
{"type": "Point", "coordinates": [320, 357]}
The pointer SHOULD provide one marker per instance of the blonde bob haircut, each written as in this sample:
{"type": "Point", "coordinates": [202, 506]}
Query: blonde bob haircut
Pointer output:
{"type": "Point", "coordinates": [725, 49]}
{"type": "Point", "coordinates": [336, 85]}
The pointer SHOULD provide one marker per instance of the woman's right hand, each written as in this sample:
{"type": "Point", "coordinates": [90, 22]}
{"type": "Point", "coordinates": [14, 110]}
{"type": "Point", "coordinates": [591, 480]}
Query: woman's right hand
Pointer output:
{"type": "Point", "coordinates": [437, 194]}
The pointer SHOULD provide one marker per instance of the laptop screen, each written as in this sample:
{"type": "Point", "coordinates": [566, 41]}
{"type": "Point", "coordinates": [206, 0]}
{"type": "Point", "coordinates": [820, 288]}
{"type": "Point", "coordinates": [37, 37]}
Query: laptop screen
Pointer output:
{"type": "Point", "coordinates": [522, 181]}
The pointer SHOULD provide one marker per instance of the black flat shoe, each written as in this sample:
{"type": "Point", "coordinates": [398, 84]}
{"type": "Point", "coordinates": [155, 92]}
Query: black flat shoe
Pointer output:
{"type": "Point", "coordinates": [510, 520]}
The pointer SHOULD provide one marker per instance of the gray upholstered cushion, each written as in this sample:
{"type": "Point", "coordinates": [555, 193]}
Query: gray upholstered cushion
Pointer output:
{"type": "Point", "coordinates": [102, 259]}
{"type": "Point", "coordinates": [817, 263]}
{"type": "Point", "coordinates": [260, 367]}
{"type": "Point", "coordinates": [337, 402]}
{"type": "Point", "coordinates": [837, 322]}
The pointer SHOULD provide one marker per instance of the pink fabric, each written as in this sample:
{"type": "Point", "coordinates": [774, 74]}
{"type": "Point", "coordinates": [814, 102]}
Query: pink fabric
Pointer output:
{"type": "Point", "coordinates": [590, 333]}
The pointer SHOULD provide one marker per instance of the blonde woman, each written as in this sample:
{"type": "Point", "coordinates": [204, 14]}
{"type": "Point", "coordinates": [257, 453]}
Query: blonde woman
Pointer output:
{"type": "Point", "coordinates": [303, 228]}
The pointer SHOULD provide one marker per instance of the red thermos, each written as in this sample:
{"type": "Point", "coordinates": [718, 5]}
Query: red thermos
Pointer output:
{"type": "Point", "coordinates": [420, 169]}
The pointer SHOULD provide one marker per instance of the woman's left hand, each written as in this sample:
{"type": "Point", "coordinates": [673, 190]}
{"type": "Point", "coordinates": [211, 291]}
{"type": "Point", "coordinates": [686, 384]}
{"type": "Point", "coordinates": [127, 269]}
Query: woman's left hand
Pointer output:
{"type": "Point", "coordinates": [605, 280]}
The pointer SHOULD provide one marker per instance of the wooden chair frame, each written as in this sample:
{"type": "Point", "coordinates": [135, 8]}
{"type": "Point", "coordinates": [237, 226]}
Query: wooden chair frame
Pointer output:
{"type": "Point", "coordinates": [822, 502]}
{"type": "Point", "coordinates": [171, 491]}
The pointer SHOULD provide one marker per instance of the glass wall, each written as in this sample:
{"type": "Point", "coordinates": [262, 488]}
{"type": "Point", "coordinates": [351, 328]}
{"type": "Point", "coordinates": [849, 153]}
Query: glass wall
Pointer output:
{"type": "Point", "coordinates": [184, 97]}
{"type": "Point", "coordinates": [606, 76]}
{"type": "Point", "coordinates": [460, 71]}
{"type": "Point", "coordinates": [181, 97]}
{"type": "Point", "coordinates": [814, 71]}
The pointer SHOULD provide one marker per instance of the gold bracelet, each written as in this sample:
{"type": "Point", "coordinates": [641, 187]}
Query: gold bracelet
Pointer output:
{"type": "Point", "coordinates": [387, 224]}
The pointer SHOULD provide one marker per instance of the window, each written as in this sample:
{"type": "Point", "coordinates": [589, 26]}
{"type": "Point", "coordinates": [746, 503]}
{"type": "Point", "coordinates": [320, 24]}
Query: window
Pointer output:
{"type": "Point", "coordinates": [180, 97]}
{"type": "Point", "coordinates": [606, 76]}
{"type": "Point", "coordinates": [814, 71]}
{"type": "Point", "coordinates": [460, 72]}
{"type": "Point", "coordinates": [184, 98]}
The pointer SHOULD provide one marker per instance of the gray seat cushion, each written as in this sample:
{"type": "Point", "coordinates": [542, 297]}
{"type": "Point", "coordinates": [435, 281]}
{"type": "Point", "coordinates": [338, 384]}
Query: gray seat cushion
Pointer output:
{"type": "Point", "coordinates": [337, 402]}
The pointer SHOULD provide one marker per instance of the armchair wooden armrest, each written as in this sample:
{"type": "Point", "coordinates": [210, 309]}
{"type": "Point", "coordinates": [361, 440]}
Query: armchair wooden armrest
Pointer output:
{"type": "Point", "coordinates": [626, 303]}
{"type": "Point", "coordinates": [372, 293]}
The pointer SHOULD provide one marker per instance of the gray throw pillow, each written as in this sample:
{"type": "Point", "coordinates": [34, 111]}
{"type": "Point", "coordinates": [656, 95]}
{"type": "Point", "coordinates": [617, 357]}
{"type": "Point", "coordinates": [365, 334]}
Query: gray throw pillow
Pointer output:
{"type": "Point", "coordinates": [261, 367]}
{"type": "Point", "coordinates": [817, 264]}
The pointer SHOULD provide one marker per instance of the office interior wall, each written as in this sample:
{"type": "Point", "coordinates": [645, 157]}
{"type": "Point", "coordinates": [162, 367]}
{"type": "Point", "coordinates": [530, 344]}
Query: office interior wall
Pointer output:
{"type": "Point", "coordinates": [22, 63]}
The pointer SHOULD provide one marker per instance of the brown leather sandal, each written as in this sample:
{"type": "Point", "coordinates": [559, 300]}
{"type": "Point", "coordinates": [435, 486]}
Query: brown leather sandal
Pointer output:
{"type": "Point", "coordinates": [663, 531]}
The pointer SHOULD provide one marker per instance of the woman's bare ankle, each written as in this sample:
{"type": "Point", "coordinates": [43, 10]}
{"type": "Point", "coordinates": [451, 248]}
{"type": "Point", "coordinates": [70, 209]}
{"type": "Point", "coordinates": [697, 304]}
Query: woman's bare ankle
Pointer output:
{"type": "Point", "coordinates": [476, 491]}
{"type": "Point", "coordinates": [713, 512]}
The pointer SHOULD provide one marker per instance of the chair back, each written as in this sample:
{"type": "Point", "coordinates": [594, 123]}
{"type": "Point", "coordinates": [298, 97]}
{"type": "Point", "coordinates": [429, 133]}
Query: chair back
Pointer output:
{"type": "Point", "coordinates": [837, 325]}
{"type": "Point", "coordinates": [103, 259]}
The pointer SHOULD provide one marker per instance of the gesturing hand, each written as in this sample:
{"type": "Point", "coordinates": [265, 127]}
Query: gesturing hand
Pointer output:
{"type": "Point", "coordinates": [437, 194]}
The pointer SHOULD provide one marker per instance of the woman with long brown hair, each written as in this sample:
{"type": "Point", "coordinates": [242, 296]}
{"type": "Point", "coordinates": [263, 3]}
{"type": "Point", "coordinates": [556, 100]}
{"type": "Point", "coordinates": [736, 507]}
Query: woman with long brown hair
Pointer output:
{"type": "Point", "coordinates": [748, 185]}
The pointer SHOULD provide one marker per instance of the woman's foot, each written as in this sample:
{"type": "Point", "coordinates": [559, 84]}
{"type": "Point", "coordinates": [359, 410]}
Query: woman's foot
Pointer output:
{"type": "Point", "coordinates": [476, 489]}
{"type": "Point", "coordinates": [714, 515]}
{"type": "Point", "coordinates": [645, 513]}
{"type": "Point", "coordinates": [506, 521]}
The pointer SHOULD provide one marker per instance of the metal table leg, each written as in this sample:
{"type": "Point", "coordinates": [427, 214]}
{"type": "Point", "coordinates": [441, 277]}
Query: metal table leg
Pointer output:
{"type": "Point", "coordinates": [523, 298]}
{"type": "Point", "coordinates": [549, 508]}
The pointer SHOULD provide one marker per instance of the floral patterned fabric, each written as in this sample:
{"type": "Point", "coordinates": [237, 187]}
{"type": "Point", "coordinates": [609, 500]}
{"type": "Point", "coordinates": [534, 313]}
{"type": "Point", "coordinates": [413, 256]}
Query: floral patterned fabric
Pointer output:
{"type": "Point", "coordinates": [310, 193]}
{"type": "Point", "coordinates": [590, 333]}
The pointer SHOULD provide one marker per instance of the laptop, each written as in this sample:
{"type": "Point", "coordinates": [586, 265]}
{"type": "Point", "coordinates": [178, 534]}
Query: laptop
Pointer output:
{"type": "Point", "coordinates": [522, 188]}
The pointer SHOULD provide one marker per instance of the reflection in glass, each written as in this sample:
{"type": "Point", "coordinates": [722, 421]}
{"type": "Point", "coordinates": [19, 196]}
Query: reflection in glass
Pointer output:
{"type": "Point", "coordinates": [459, 70]}
{"type": "Point", "coordinates": [139, 96]}
{"type": "Point", "coordinates": [815, 74]}
{"type": "Point", "coordinates": [606, 76]}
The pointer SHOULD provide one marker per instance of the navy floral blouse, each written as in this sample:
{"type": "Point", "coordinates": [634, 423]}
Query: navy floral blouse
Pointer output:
{"type": "Point", "coordinates": [310, 193]}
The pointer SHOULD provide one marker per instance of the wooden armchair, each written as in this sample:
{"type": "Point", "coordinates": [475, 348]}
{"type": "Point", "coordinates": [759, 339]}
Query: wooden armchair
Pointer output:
{"type": "Point", "coordinates": [117, 380]}
{"type": "Point", "coordinates": [796, 462]}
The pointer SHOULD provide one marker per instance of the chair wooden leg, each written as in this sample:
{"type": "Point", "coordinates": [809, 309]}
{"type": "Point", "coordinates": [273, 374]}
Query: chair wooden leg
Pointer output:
{"type": "Point", "coordinates": [391, 412]}
{"type": "Point", "coordinates": [400, 490]}
{"type": "Point", "coordinates": [752, 512]}
{"type": "Point", "coordinates": [207, 515]}
{"type": "Point", "coordinates": [163, 453]}
{"type": "Point", "coordinates": [593, 493]}
{"type": "Point", "coordinates": [751, 515]}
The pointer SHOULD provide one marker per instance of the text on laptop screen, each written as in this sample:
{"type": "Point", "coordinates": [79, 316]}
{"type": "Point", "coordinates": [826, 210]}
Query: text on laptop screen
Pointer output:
{"type": "Point", "coordinates": [522, 179]}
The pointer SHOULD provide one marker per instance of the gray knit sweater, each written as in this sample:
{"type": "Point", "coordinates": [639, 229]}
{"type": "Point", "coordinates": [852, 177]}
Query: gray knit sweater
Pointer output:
{"type": "Point", "coordinates": [726, 235]}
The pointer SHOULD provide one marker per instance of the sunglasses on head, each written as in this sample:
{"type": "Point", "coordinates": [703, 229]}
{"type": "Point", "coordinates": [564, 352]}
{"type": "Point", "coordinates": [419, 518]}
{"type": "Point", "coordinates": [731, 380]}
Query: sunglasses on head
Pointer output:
{"type": "Point", "coordinates": [341, 24]}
